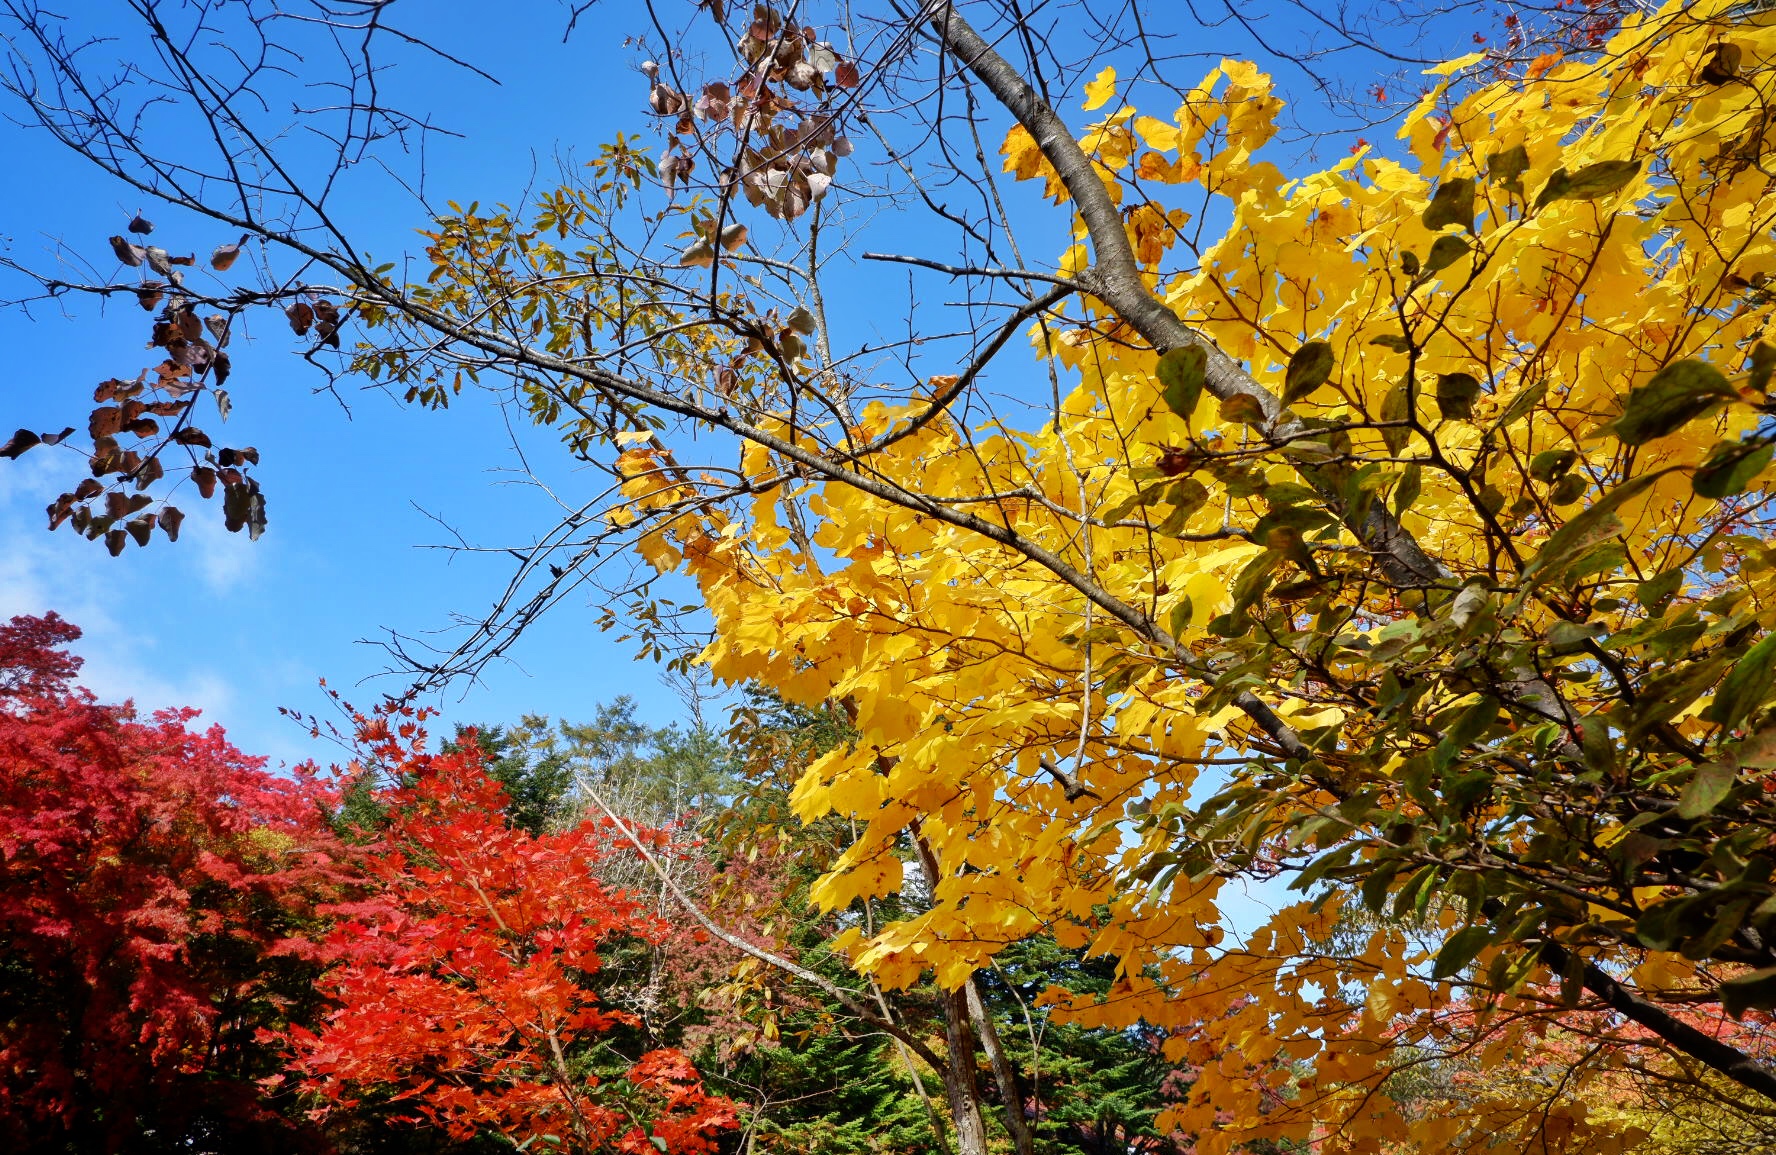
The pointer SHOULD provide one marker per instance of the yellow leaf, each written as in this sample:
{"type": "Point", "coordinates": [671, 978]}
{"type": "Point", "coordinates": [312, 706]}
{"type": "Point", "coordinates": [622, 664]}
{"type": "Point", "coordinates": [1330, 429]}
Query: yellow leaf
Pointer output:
{"type": "Point", "coordinates": [1098, 91]}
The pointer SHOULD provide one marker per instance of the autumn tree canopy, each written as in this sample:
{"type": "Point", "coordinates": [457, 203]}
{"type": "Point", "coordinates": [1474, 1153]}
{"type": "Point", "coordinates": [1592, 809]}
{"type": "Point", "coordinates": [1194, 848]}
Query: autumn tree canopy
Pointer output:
{"type": "Point", "coordinates": [1394, 530]}
{"type": "Point", "coordinates": [158, 896]}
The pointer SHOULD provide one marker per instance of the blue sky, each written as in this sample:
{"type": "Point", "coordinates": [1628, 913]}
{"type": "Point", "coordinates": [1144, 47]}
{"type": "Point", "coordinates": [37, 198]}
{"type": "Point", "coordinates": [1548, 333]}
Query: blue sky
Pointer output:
{"type": "Point", "coordinates": [239, 628]}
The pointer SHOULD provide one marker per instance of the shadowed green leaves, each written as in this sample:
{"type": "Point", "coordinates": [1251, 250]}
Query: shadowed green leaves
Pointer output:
{"type": "Point", "coordinates": [1675, 396]}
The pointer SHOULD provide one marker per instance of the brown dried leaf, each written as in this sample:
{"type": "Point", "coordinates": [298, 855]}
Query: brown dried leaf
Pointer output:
{"type": "Point", "coordinates": [105, 421]}
{"type": "Point", "coordinates": [141, 225]}
{"type": "Point", "coordinates": [115, 540]}
{"type": "Point", "coordinates": [191, 326]}
{"type": "Point", "coordinates": [60, 510]}
{"type": "Point", "coordinates": [141, 528]}
{"type": "Point", "coordinates": [143, 427]}
{"type": "Point", "coordinates": [149, 472]}
{"type": "Point", "coordinates": [845, 75]}
{"type": "Point", "coordinates": [19, 442]}
{"type": "Point", "coordinates": [301, 318]}
{"type": "Point", "coordinates": [56, 438]}
{"type": "Point", "coordinates": [169, 522]}
{"type": "Point", "coordinates": [106, 457]}
{"type": "Point", "coordinates": [129, 254]}
{"type": "Point", "coordinates": [191, 436]}
{"type": "Point", "coordinates": [205, 477]}
{"type": "Point", "coordinates": [188, 259]}
{"type": "Point", "coordinates": [87, 488]}
{"type": "Point", "coordinates": [158, 260]}
{"type": "Point", "coordinates": [224, 256]}
{"type": "Point", "coordinates": [149, 296]}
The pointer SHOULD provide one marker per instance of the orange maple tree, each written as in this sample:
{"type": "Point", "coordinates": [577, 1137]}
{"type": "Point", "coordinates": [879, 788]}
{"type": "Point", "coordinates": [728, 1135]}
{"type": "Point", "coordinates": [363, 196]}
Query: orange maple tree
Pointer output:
{"type": "Point", "coordinates": [465, 983]}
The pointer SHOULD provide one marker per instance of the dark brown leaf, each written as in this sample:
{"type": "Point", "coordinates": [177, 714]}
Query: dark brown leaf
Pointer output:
{"type": "Point", "coordinates": [57, 438]}
{"type": "Point", "coordinates": [115, 541]}
{"type": "Point", "coordinates": [1723, 65]}
{"type": "Point", "coordinates": [190, 436]}
{"type": "Point", "coordinates": [19, 442]}
{"type": "Point", "coordinates": [149, 472]}
{"type": "Point", "coordinates": [60, 510]}
{"type": "Point", "coordinates": [149, 296]}
{"type": "Point", "coordinates": [143, 427]}
{"type": "Point", "coordinates": [169, 522]}
{"type": "Point", "coordinates": [87, 488]}
{"type": "Point", "coordinates": [205, 477]}
{"type": "Point", "coordinates": [301, 318]}
{"type": "Point", "coordinates": [141, 225]}
{"type": "Point", "coordinates": [141, 528]}
{"type": "Point", "coordinates": [187, 259]}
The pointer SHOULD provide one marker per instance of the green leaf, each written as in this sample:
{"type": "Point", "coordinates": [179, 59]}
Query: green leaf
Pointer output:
{"type": "Point", "coordinates": [1754, 991]}
{"type": "Point", "coordinates": [1452, 204]}
{"type": "Point", "coordinates": [1459, 950]}
{"type": "Point", "coordinates": [1676, 395]}
{"type": "Point", "coordinates": [1585, 529]}
{"type": "Point", "coordinates": [1568, 637]}
{"type": "Point", "coordinates": [1392, 341]}
{"type": "Point", "coordinates": [1445, 251]}
{"type": "Point", "coordinates": [1520, 406]}
{"type": "Point", "coordinates": [1396, 406]}
{"type": "Point", "coordinates": [1763, 364]}
{"type": "Point", "coordinates": [1569, 489]}
{"type": "Point", "coordinates": [1656, 593]}
{"type": "Point", "coordinates": [1551, 464]}
{"type": "Point", "coordinates": [1589, 183]}
{"type": "Point", "coordinates": [1705, 791]}
{"type": "Point", "coordinates": [1309, 368]}
{"type": "Point", "coordinates": [1746, 686]}
{"type": "Point", "coordinates": [1407, 491]}
{"type": "Point", "coordinates": [1407, 898]}
{"type": "Point", "coordinates": [1455, 395]}
{"type": "Point", "coordinates": [1730, 467]}
{"type": "Point", "coordinates": [1243, 409]}
{"type": "Point", "coordinates": [1375, 887]}
{"type": "Point", "coordinates": [1182, 373]}
{"type": "Point", "coordinates": [1507, 167]}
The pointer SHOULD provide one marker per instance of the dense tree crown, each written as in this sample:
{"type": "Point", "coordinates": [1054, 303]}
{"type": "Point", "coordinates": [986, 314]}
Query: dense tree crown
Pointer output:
{"type": "Point", "coordinates": [1427, 559]}
{"type": "Point", "coordinates": [159, 891]}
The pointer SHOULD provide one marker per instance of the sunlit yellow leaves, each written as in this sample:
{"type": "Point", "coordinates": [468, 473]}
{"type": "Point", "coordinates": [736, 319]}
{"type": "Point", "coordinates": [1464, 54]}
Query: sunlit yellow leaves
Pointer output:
{"type": "Point", "coordinates": [1099, 91]}
{"type": "Point", "coordinates": [1492, 292]}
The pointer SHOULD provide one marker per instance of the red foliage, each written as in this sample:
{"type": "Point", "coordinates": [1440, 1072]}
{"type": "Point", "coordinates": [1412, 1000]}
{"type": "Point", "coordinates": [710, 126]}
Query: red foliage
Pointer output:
{"type": "Point", "coordinates": [31, 664]}
{"type": "Point", "coordinates": [155, 887]}
{"type": "Point", "coordinates": [465, 981]}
